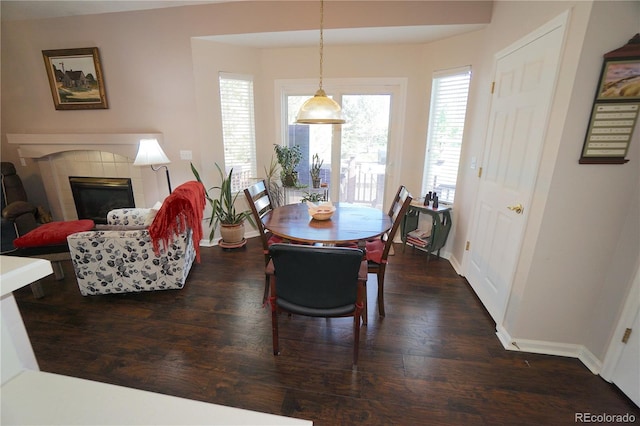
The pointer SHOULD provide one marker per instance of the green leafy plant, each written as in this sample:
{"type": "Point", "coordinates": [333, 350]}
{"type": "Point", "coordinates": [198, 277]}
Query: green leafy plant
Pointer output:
{"type": "Point", "coordinates": [314, 197]}
{"type": "Point", "coordinates": [223, 209]}
{"type": "Point", "coordinates": [288, 158]}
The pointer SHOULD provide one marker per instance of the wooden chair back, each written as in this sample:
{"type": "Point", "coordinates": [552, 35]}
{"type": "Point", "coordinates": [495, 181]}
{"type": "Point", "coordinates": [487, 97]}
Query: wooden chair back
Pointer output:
{"type": "Point", "coordinates": [397, 211]}
{"type": "Point", "coordinates": [378, 250]}
{"type": "Point", "coordinates": [259, 201]}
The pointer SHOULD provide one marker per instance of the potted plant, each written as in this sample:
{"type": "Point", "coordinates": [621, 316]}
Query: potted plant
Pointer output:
{"type": "Point", "coordinates": [314, 171]}
{"type": "Point", "coordinates": [223, 210]}
{"type": "Point", "coordinates": [288, 158]}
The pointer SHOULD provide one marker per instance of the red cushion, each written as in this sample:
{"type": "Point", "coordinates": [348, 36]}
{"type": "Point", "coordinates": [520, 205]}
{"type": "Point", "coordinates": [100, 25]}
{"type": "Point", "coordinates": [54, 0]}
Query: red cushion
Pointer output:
{"type": "Point", "coordinates": [374, 250]}
{"type": "Point", "coordinates": [53, 233]}
{"type": "Point", "coordinates": [274, 239]}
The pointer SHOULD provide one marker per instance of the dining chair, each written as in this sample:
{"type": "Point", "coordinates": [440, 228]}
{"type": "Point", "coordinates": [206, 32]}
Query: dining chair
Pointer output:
{"type": "Point", "coordinates": [317, 281]}
{"type": "Point", "coordinates": [259, 201]}
{"type": "Point", "coordinates": [377, 250]}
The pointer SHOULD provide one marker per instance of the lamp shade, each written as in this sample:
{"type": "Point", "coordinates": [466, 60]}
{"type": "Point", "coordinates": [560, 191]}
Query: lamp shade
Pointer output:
{"type": "Point", "coordinates": [320, 109]}
{"type": "Point", "coordinates": [149, 152]}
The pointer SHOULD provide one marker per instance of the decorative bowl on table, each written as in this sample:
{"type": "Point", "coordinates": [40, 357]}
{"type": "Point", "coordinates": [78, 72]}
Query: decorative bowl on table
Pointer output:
{"type": "Point", "coordinates": [322, 211]}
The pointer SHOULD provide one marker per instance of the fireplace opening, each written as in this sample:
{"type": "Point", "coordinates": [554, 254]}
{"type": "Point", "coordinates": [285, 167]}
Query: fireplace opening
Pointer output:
{"type": "Point", "coordinates": [94, 197]}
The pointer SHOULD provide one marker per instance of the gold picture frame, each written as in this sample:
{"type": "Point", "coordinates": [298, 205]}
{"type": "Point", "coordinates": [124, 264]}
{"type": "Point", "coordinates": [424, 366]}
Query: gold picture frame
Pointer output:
{"type": "Point", "coordinates": [75, 78]}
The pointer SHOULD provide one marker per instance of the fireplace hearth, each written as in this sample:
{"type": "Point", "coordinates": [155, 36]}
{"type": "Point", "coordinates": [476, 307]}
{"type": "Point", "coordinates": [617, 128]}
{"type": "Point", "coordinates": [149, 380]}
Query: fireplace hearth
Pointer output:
{"type": "Point", "coordinates": [94, 197]}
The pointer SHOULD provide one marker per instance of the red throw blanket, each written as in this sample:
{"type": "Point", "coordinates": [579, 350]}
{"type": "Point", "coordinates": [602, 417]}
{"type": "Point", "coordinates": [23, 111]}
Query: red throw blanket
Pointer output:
{"type": "Point", "coordinates": [182, 209]}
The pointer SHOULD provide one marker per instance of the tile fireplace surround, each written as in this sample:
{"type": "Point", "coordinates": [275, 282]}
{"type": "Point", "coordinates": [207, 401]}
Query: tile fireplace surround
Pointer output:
{"type": "Point", "coordinates": [95, 155]}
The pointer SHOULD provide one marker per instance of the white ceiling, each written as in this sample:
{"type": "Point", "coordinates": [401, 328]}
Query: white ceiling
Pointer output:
{"type": "Point", "coordinates": [346, 36]}
{"type": "Point", "coordinates": [28, 9]}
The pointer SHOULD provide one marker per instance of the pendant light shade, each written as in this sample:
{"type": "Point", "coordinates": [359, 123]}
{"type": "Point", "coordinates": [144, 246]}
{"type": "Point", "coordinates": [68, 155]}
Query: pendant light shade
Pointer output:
{"type": "Point", "coordinates": [320, 109]}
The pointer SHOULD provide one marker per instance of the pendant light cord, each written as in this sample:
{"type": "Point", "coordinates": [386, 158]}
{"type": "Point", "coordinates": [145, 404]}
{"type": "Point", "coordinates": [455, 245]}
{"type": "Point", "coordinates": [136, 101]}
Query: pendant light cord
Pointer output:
{"type": "Point", "coordinates": [321, 39]}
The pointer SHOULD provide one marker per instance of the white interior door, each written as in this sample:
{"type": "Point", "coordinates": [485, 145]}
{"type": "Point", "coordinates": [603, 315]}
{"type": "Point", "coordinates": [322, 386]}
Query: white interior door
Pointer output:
{"type": "Point", "coordinates": [622, 362]}
{"type": "Point", "coordinates": [524, 81]}
{"type": "Point", "coordinates": [627, 372]}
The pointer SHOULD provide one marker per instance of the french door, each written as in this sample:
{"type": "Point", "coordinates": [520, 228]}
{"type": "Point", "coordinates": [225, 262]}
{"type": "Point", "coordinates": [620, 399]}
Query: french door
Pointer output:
{"type": "Point", "coordinates": [355, 155]}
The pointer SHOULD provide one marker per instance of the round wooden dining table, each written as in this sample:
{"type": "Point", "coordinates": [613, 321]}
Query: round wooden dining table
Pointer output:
{"type": "Point", "coordinates": [349, 223]}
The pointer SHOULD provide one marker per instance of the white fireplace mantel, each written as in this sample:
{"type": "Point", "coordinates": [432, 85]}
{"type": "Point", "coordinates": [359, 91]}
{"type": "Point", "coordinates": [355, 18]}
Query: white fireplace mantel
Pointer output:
{"type": "Point", "coordinates": [60, 155]}
{"type": "Point", "coordinates": [38, 145]}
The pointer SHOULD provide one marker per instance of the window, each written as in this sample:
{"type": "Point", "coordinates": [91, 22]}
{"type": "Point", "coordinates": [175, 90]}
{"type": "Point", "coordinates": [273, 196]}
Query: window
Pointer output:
{"type": "Point", "coordinates": [449, 92]}
{"type": "Point", "coordinates": [238, 128]}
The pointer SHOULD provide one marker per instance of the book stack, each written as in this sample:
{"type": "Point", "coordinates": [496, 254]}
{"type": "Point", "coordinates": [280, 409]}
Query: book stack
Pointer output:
{"type": "Point", "coordinates": [419, 237]}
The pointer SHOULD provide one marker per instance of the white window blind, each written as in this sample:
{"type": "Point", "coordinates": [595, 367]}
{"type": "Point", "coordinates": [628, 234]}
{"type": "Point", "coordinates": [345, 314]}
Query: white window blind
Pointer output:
{"type": "Point", "coordinates": [238, 128]}
{"type": "Point", "coordinates": [449, 93]}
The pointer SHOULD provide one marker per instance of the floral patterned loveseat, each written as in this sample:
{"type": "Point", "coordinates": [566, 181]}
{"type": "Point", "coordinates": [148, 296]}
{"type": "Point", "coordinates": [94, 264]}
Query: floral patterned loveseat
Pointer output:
{"type": "Point", "coordinates": [141, 249]}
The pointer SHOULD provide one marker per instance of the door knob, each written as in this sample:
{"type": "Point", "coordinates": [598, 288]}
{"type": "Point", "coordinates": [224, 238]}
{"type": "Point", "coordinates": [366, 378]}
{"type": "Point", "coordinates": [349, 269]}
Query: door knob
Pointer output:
{"type": "Point", "coordinates": [517, 208]}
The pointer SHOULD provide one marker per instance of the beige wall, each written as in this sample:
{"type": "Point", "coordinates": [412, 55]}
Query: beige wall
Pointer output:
{"type": "Point", "coordinates": [581, 258]}
{"type": "Point", "coordinates": [159, 79]}
{"type": "Point", "coordinates": [209, 58]}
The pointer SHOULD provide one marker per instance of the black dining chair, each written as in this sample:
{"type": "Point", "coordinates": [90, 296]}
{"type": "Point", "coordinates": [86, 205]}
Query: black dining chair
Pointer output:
{"type": "Point", "coordinates": [377, 251]}
{"type": "Point", "coordinates": [318, 282]}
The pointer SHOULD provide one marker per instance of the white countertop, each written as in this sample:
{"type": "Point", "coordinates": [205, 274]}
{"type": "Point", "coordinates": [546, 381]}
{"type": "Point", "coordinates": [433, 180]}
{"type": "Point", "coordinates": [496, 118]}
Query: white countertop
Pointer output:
{"type": "Point", "coordinates": [16, 272]}
{"type": "Point", "coordinates": [40, 398]}
{"type": "Point", "coordinates": [17, 353]}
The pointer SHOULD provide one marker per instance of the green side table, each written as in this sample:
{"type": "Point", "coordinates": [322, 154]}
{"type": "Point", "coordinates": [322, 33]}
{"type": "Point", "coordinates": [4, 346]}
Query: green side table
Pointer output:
{"type": "Point", "coordinates": [440, 227]}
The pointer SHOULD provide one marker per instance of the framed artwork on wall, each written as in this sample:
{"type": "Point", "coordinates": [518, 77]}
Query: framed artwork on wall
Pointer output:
{"type": "Point", "coordinates": [615, 108]}
{"type": "Point", "coordinates": [620, 80]}
{"type": "Point", "coordinates": [75, 78]}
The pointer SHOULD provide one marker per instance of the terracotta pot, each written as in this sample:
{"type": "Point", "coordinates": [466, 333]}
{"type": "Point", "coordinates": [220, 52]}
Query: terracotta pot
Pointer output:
{"type": "Point", "coordinates": [232, 233]}
{"type": "Point", "coordinates": [290, 180]}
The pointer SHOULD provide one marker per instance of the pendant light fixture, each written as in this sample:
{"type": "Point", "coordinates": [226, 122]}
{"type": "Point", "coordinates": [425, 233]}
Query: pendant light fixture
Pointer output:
{"type": "Point", "coordinates": [320, 109]}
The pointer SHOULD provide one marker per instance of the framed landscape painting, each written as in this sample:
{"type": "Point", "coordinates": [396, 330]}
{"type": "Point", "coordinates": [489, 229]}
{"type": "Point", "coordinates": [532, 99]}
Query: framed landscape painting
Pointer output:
{"type": "Point", "coordinates": [75, 78]}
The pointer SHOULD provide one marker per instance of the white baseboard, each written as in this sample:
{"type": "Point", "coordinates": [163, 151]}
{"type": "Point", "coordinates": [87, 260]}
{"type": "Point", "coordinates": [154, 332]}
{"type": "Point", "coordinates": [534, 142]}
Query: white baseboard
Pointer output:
{"type": "Point", "coordinates": [456, 266]}
{"type": "Point", "coordinates": [590, 360]}
{"type": "Point", "coordinates": [550, 348]}
{"type": "Point", "coordinates": [207, 243]}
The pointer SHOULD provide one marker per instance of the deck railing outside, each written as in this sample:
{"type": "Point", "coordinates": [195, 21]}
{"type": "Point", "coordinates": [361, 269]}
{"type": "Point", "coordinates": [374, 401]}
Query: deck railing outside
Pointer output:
{"type": "Point", "coordinates": [361, 183]}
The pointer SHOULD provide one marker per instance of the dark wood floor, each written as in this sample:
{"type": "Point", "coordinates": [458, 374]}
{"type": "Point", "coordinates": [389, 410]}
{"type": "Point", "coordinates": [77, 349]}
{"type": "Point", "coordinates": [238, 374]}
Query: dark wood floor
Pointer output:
{"type": "Point", "coordinates": [434, 359]}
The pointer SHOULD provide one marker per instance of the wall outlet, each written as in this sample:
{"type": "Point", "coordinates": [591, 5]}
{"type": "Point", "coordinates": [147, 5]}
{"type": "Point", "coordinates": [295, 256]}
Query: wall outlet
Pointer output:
{"type": "Point", "coordinates": [186, 155]}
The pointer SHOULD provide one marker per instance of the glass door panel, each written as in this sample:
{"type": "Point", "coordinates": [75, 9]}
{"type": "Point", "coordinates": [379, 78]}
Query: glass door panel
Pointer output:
{"type": "Point", "coordinates": [312, 139]}
{"type": "Point", "coordinates": [363, 152]}
{"type": "Point", "coordinates": [358, 148]}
